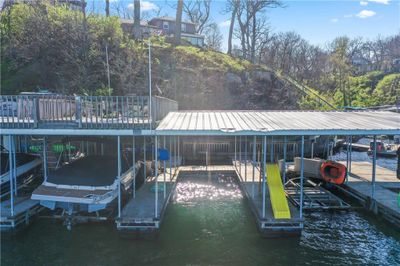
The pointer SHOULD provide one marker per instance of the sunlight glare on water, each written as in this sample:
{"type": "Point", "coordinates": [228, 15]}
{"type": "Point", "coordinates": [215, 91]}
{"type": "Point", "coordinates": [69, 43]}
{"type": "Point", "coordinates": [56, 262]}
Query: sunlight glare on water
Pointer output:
{"type": "Point", "coordinates": [209, 223]}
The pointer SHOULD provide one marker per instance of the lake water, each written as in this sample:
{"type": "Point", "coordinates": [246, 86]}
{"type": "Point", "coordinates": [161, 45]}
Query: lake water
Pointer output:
{"type": "Point", "coordinates": [208, 223]}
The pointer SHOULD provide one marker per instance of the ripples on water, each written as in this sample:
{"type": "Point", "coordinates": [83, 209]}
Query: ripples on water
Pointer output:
{"type": "Point", "coordinates": [209, 223]}
{"type": "Point", "coordinates": [211, 187]}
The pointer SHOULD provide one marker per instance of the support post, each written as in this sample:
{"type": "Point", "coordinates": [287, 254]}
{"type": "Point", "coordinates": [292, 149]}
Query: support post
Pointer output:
{"type": "Point", "coordinates": [156, 177]}
{"type": "Point", "coordinates": [264, 174]}
{"type": "Point", "coordinates": [347, 157]}
{"type": "Point", "coordinates": [312, 149]}
{"type": "Point", "coordinates": [284, 159]}
{"type": "Point", "coordinates": [165, 173]}
{"type": "Point", "coordinates": [301, 178]}
{"type": "Point", "coordinates": [134, 166]}
{"type": "Point", "coordinates": [175, 145]}
{"type": "Point", "coordinates": [240, 155]}
{"type": "Point", "coordinates": [119, 175]}
{"type": "Point", "coordinates": [351, 150]}
{"type": "Point", "coordinates": [15, 167]}
{"type": "Point", "coordinates": [245, 155]}
{"type": "Point", "coordinates": [373, 171]}
{"type": "Point", "coordinates": [11, 172]}
{"type": "Point", "coordinates": [254, 165]}
{"type": "Point", "coordinates": [144, 159]}
{"type": "Point", "coordinates": [235, 153]}
{"type": "Point", "coordinates": [272, 149]}
{"type": "Point", "coordinates": [178, 152]}
{"type": "Point", "coordinates": [170, 158]}
{"type": "Point", "coordinates": [44, 158]}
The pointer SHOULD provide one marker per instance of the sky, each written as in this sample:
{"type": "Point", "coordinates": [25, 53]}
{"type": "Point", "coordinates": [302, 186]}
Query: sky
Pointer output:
{"type": "Point", "coordinates": [316, 21]}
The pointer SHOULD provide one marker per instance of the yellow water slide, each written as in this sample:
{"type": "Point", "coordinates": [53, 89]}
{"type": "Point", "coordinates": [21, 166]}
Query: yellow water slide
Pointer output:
{"type": "Point", "coordinates": [277, 194]}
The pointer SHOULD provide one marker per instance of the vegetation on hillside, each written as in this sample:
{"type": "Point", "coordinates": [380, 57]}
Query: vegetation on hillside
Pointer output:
{"type": "Point", "coordinates": [64, 51]}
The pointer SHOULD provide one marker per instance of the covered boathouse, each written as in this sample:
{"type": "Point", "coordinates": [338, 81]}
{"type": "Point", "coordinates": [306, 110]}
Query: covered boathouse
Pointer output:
{"type": "Point", "coordinates": [252, 138]}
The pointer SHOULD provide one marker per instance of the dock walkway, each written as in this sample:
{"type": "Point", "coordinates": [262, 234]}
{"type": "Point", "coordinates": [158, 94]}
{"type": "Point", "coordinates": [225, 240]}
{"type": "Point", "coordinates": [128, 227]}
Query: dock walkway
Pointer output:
{"type": "Point", "coordinates": [140, 213]}
{"type": "Point", "coordinates": [24, 209]}
{"type": "Point", "coordinates": [387, 189]}
{"type": "Point", "coordinates": [268, 225]}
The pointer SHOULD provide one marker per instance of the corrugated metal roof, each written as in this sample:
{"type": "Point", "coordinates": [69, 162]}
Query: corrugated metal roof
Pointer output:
{"type": "Point", "coordinates": [279, 122]}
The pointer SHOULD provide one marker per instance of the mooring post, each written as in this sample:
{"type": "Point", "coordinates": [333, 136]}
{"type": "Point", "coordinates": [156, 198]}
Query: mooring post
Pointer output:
{"type": "Point", "coordinates": [254, 165]}
{"type": "Point", "coordinates": [264, 174]}
{"type": "Point", "coordinates": [165, 172]}
{"type": "Point", "coordinates": [134, 166]}
{"type": "Point", "coordinates": [373, 172]}
{"type": "Point", "coordinates": [245, 155]}
{"type": "Point", "coordinates": [119, 175]}
{"type": "Point", "coordinates": [44, 158]}
{"type": "Point", "coordinates": [284, 159]}
{"type": "Point", "coordinates": [301, 178]}
{"type": "Point", "coordinates": [11, 173]}
{"type": "Point", "coordinates": [156, 178]}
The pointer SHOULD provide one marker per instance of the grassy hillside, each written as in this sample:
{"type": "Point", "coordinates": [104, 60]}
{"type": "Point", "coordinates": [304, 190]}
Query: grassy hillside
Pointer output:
{"type": "Point", "coordinates": [60, 50]}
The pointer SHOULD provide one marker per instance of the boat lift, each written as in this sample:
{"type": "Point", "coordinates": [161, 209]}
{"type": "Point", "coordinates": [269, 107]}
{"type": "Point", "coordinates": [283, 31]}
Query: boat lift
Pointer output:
{"type": "Point", "coordinates": [315, 196]}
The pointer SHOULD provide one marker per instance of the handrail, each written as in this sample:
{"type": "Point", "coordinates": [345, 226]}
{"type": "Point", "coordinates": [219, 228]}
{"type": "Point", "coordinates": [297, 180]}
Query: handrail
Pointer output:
{"type": "Point", "coordinates": [88, 112]}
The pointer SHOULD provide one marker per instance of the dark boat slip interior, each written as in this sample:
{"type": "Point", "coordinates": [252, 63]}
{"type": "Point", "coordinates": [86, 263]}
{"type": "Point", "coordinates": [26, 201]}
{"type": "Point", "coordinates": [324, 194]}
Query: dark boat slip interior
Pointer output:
{"type": "Point", "coordinates": [22, 158]}
{"type": "Point", "coordinates": [88, 171]}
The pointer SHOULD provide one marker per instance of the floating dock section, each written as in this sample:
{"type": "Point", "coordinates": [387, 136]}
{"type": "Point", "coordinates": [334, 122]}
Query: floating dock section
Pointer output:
{"type": "Point", "coordinates": [144, 213]}
{"type": "Point", "coordinates": [24, 209]}
{"type": "Point", "coordinates": [381, 196]}
{"type": "Point", "coordinates": [280, 217]}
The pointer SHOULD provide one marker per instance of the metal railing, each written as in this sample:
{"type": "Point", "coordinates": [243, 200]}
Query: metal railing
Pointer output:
{"type": "Point", "coordinates": [88, 112]}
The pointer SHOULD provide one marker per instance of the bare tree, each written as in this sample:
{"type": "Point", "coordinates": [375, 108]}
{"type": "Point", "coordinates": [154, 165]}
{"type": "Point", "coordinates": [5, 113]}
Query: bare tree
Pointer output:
{"type": "Point", "coordinates": [214, 37]}
{"type": "Point", "coordinates": [198, 12]}
{"type": "Point", "coordinates": [107, 8]}
{"type": "Point", "coordinates": [249, 27]}
{"type": "Point", "coordinates": [136, 20]}
{"type": "Point", "coordinates": [232, 7]}
{"type": "Point", "coordinates": [178, 22]}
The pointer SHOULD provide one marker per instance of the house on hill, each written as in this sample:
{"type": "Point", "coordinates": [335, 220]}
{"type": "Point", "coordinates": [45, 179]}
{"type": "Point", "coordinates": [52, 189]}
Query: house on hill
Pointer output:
{"type": "Point", "coordinates": [166, 26]}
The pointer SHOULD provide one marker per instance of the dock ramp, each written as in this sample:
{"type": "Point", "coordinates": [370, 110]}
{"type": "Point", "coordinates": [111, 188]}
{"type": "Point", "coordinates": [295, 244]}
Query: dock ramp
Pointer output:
{"type": "Point", "coordinates": [279, 201]}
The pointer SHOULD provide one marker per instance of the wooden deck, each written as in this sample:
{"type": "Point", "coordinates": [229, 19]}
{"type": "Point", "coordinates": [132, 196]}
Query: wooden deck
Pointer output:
{"type": "Point", "coordinates": [387, 189]}
{"type": "Point", "coordinates": [268, 225]}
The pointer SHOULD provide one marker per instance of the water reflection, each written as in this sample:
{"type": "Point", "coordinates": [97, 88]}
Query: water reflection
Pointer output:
{"type": "Point", "coordinates": [206, 186]}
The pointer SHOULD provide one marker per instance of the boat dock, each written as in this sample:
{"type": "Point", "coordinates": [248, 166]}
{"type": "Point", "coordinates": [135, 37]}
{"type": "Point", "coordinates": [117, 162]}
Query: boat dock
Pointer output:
{"type": "Point", "coordinates": [144, 212]}
{"type": "Point", "coordinates": [380, 196]}
{"type": "Point", "coordinates": [250, 180]}
{"type": "Point", "coordinates": [20, 213]}
{"type": "Point", "coordinates": [148, 128]}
